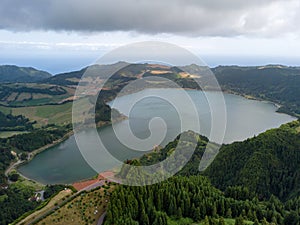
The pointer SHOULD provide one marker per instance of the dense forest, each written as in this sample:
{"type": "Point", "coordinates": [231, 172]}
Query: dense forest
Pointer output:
{"type": "Point", "coordinates": [195, 198]}
{"type": "Point", "coordinates": [37, 138]}
{"type": "Point", "coordinates": [16, 123]}
{"type": "Point", "coordinates": [5, 159]}
{"type": "Point", "coordinates": [15, 200]}
{"type": "Point", "coordinates": [258, 180]}
{"type": "Point", "coordinates": [268, 164]}
{"type": "Point", "coordinates": [102, 112]}
{"type": "Point", "coordinates": [279, 84]}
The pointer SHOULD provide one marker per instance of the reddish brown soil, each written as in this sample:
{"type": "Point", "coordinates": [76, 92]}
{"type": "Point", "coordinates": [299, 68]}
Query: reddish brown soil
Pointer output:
{"type": "Point", "coordinates": [83, 184]}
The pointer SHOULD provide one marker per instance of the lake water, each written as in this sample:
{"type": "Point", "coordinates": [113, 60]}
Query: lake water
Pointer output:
{"type": "Point", "coordinates": [65, 164]}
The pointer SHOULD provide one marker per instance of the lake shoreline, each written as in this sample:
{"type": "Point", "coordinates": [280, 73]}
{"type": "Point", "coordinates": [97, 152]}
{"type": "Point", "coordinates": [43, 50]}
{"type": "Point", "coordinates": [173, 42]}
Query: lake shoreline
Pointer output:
{"type": "Point", "coordinates": [104, 124]}
{"type": "Point", "coordinates": [16, 165]}
{"type": "Point", "coordinates": [251, 97]}
{"type": "Point", "coordinates": [31, 155]}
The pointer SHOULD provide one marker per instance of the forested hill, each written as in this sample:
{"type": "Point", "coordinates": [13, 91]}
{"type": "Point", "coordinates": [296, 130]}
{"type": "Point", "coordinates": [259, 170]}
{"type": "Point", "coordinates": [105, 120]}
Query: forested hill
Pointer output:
{"type": "Point", "coordinates": [266, 164]}
{"type": "Point", "coordinates": [276, 83]}
{"type": "Point", "coordinates": [191, 200]}
{"type": "Point", "coordinates": [15, 74]}
{"type": "Point", "coordinates": [258, 181]}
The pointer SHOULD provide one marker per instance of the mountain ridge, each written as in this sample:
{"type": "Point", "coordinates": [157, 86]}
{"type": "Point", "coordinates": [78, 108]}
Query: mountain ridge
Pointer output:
{"type": "Point", "coordinates": [16, 74]}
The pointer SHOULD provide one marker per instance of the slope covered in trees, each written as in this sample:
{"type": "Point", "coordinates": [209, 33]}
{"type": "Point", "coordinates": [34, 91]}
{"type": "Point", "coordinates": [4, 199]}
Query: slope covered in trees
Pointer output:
{"type": "Point", "coordinates": [15, 123]}
{"type": "Point", "coordinates": [276, 83]}
{"type": "Point", "coordinates": [14, 202]}
{"type": "Point", "coordinates": [189, 197]}
{"type": "Point", "coordinates": [267, 164]}
{"type": "Point", "coordinates": [258, 180]}
{"type": "Point", "coordinates": [17, 200]}
{"type": "Point", "coordinates": [177, 151]}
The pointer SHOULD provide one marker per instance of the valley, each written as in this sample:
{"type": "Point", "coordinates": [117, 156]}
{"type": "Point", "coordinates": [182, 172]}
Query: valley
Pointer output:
{"type": "Point", "coordinates": [46, 109]}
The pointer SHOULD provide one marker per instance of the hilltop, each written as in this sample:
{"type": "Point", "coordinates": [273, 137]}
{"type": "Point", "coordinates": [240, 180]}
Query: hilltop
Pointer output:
{"type": "Point", "coordinates": [15, 74]}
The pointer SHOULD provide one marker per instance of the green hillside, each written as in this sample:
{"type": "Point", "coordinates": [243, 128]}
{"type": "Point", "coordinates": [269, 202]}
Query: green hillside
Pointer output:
{"type": "Point", "coordinates": [32, 94]}
{"type": "Point", "coordinates": [14, 123]}
{"type": "Point", "coordinates": [189, 200]}
{"type": "Point", "coordinates": [267, 164]}
{"type": "Point", "coordinates": [15, 74]}
{"type": "Point", "coordinates": [254, 180]}
{"type": "Point", "coordinates": [275, 83]}
{"type": "Point", "coordinates": [258, 180]}
{"type": "Point", "coordinates": [279, 84]}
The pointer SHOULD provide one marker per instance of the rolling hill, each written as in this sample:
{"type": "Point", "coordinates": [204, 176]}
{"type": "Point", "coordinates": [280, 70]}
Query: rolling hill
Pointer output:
{"type": "Point", "coordinates": [267, 164]}
{"type": "Point", "coordinates": [15, 74]}
{"type": "Point", "coordinates": [276, 83]}
{"type": "Point", "coordinates": [256, 179]}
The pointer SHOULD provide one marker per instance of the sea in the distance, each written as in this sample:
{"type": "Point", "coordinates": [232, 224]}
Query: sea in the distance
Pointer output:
{"type": "Point", "coordinates": [64, 163]}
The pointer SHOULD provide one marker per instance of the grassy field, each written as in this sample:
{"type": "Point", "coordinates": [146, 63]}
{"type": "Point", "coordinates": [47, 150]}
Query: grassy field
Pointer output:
{"type": "Point", "coordinates": [5, 110]}
{"type": "Point", "coordinates": [30, 94]}
{"type": "Point", "coordinates": [57, 114]}
{"type": "Point", "coordinates": [12, 96]}
{"type": "Point", "coordinates": [47, 114]}
{"type": "Point", "coordinates": [30, 183]}
{"type": "Point", "coordinates": [23, 97]}
{"type": "Point", "coordinates": [53, 202]}
{"type": "Point", "coordinates": [36, 105]}
{"type": "Point", "coordinates": [84, 209]}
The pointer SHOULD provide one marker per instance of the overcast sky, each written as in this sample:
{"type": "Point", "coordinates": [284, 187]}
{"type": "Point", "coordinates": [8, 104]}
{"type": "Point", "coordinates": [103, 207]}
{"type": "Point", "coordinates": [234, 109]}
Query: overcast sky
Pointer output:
{"type": "Point", "coordinates": [44, 33]}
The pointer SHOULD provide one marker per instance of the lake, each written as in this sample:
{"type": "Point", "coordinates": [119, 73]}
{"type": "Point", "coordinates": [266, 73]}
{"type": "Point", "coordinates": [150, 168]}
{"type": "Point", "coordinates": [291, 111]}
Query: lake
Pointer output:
{"type": "Point", "coordinates": [64, 163]}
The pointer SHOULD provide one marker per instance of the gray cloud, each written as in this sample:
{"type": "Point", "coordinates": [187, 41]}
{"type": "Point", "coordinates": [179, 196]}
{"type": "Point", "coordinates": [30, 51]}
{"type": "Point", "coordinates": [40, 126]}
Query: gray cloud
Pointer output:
{"type": "Point", "coordinates": [183, 17]}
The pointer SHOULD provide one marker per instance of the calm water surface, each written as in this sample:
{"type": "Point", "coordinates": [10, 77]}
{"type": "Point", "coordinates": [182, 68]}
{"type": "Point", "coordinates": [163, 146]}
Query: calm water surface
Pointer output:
{"type": "Point", "coordinates": [65, 164]}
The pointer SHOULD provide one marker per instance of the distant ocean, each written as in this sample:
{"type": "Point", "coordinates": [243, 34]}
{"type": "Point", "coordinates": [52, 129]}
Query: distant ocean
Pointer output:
{"type": "Point", "coordinates": [57, 64]}
{"type": "Point", "coordinates": [53, 65]}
